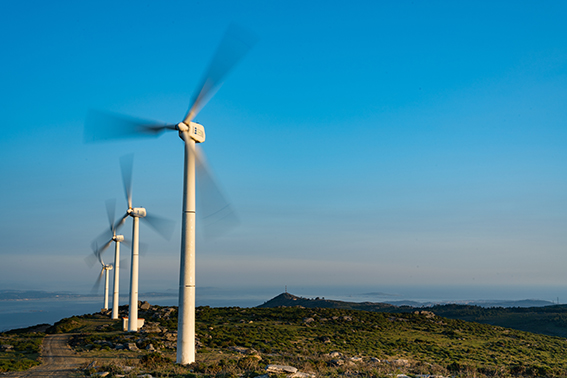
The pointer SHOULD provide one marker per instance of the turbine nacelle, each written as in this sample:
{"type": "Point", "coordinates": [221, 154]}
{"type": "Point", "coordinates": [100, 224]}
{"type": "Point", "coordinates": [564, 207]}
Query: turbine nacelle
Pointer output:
{"type": "Point", "coordinates": [137, 212]}
{"type": "Point", "coordinates": [196, 131]}
{"type": "Point", "coordinates": [118, 238]}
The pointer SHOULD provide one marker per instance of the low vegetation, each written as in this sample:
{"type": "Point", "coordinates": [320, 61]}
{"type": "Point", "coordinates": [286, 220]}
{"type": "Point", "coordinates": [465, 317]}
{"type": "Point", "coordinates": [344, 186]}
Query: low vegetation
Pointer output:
{"type": "Point", "coordinates": [326, 342]}
{"type": "Point", "coordinates": [19, 349]}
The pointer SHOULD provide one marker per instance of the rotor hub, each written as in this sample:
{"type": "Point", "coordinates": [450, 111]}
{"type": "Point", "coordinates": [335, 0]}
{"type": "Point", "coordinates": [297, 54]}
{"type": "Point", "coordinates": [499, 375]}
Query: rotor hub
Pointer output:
{"type": "Point", "coordinates": [195, 130]}
{"type": "Point", "coordinates": [137, 212]}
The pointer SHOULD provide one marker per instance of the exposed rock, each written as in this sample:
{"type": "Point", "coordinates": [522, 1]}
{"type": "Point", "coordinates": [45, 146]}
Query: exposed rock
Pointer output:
{"type": "Point", "coordinates": [144, 306]}
{"type": "Point", "coordinates": [6, 348]}
{"type": "Point", "coordinates": [101, 374]}
{"type": "Point", "coordinates": [151, 348]}
{"type": "Point", "coordinates": [400, 362]}
{"type": "Point", "coordinates": [132, 346]}
{"type": "Point", "coordinates": [300, 374]}
{"type": "Point", "coordinates": [281, 369]}
{"type": "Point", "coordinates": [239, 349]}
{"type": "Point", "coordinates": [427, 314]}
{"type": "Point", "coordinates": [119, 346]}
{"type": "Point", "coordinates": [356, 359]}
{"type": "Point", "coordinates": [171, 336]}
{"type": "Point", "coordinates": [374, 359]}
{"type": "Point", "coordinates": [151, 327]}
{"type": "Point", "coordinates": [335, 354]}
{"type": "Point", "coordinates": [308, 320]}
{"type": "Point", "coordinates": [336, 362]}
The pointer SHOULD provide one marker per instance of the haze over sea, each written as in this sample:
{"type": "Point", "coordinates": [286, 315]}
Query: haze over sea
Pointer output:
{"type": "Point", "coordinates": [24, 313]}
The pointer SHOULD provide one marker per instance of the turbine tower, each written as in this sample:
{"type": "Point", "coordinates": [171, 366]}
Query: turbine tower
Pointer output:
{"type": "Point", "coordinates": [103, 271]}
{"type": "Point", "coordinates": [100, 126]}
{"type": "Point", "coordinates": [106, 238]}
{"type": "Point", "coordinates": [162, 226]}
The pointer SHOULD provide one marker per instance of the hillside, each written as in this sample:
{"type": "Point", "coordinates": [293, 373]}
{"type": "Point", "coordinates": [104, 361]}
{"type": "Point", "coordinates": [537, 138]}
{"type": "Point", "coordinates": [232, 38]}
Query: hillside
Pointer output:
{"type": "Point", "coordinates": [547, 320]}
{"type": "Point", "coordinates": [325, 342]}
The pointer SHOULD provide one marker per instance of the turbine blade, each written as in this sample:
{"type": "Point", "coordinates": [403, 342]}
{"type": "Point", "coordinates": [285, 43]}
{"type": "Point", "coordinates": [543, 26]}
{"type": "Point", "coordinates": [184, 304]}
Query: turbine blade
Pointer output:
{"type": "Point", "coordinates": [103, 239]}
{"type": "Point", "coordinates": [102, 126]}
{"type": "Point", "coordinates": [97, 283]}
{"type": "Point", "coordinates": [215, 211]}
{"type": "Point", "coordinates": [111, 212]}
{"type": "Point", "coordinates": [90, 259]}
{"type": "Point", "coordinates": [162, 226]}
{"type": "Point", "coordinates": [126, 166]}
{"type": "Point", "coordinates": [120, 222]}
{"type": "Point", "coordinates": [232, 48]}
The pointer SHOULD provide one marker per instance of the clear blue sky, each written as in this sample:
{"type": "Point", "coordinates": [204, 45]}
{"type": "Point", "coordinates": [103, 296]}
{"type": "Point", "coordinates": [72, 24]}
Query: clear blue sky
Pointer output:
{"type": "Point", "coordinates": [363, 143]}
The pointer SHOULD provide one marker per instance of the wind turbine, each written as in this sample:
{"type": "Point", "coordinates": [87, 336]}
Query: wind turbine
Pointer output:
{"type": "Point", "coordinates": [162, 226]}
{"type": "Point", "coordinates": [107, 238]}
{"type": "Point", "coordinates": [99, 126]}
{"type": "Point", "coordinates": [103, 271]}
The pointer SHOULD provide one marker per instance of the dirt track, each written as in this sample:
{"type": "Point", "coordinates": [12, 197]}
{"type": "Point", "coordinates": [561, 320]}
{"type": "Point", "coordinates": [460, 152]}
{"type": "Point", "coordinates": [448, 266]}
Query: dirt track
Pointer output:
{"type": "Point", "coordinates": [58, 360]}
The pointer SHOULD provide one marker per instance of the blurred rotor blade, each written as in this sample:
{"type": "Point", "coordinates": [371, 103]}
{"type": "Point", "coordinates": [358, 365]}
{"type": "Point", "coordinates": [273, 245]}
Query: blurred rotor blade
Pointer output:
{"type": "Point", "coordinates": [104, 239]}
{"type": "Point", "coordinates": [126, 243]}
{"type": "Point", "coordinates": [97, 283]}
{"type": "Point", "coordinates": [143, 248]}
{"type": "Point", "coordinates": [111, 212]}
{"type": "Point", "coordinates": [120, 222]}
{"type": "Point", "coordinates": [162, 226]}
{"type": "Point", "coordinates": [101, 126]}
{"type": "Point", "coordinates": [214, 209]}
{"type": "Point", "coordinates": [126, 166]}
{"type": "Point", "coordinates": [234, 45]}
{"type": "Point", "coordinates": [99, 255]}
{"type": "Point", "coordinates": [90, 259]}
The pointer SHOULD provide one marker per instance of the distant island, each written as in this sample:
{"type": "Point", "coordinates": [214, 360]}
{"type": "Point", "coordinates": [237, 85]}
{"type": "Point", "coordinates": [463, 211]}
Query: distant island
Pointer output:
{"type": "Point", "coordinates": [24, 295]}
{"type": "Point", "coordinates": [15, 295]}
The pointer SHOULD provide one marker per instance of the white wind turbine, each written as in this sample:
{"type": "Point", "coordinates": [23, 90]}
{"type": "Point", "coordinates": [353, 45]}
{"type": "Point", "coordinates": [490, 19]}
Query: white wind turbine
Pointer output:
{"type": "Point", "coordinates": [107, 238]}
{"type": "Point", "coordinates": [162, 226]}
{"type": "Point", "coordinates": [100, 126]}
{"type": "Point", "coordinates": [103, 271]}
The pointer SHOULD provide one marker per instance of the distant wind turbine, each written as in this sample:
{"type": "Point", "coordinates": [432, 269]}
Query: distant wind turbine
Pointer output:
{"type": "Point", "coordinates": [103, 271]}
{"type": "Point", "coordinates": [107, 238]}
{"type": "Point", "coordinates": [162, 226]}
{"type": "Point", "coordinates": [100, 126]}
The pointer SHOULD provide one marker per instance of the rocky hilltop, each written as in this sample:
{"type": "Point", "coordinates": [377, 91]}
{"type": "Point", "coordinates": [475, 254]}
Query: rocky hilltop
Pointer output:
{"type": "Point", "coordinates": [290, 300]}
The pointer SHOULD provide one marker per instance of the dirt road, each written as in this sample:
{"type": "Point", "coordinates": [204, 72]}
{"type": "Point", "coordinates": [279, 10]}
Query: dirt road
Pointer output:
{"type": "Point", "coordinates": [58, 360]}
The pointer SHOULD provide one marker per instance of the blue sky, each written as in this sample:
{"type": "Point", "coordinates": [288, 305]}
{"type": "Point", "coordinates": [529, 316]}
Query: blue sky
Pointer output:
{"type": "Point", "coordinates": [362, 143]}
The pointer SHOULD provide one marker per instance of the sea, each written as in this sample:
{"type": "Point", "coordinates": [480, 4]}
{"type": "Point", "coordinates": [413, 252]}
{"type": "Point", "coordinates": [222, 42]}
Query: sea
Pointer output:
{"type": "Point", "coordinates": [28, 312]}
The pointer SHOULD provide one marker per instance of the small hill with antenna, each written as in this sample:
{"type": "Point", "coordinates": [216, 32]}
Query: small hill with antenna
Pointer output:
{"type": "Point", "coordinates": [547, 319]}
{"type": "Point", "coordinates": [290, 300]}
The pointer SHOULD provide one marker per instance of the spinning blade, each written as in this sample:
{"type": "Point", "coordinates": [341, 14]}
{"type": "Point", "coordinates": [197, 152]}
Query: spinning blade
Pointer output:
{"type": "Point", "coordinates": [234, 45]}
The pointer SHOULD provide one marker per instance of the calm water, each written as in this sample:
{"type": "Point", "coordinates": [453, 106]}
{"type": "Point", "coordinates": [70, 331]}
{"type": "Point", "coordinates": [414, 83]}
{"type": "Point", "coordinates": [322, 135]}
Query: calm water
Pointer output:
{"type": "Point", "coordinates": [19, 314]}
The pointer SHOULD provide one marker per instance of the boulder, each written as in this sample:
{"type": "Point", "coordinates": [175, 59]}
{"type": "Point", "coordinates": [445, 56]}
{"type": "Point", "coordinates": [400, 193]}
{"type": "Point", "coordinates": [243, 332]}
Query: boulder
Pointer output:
{"type": "Point", "coordinates": [145, 306]}
{"type": "Point", "coordinates": [150, 348]}
{"type": "Point", "coordinates": [132, 347]}
{"type": "Point", "coordinates": [300, 374]}
{"type": "Point", "coordinates": [281, 369]}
